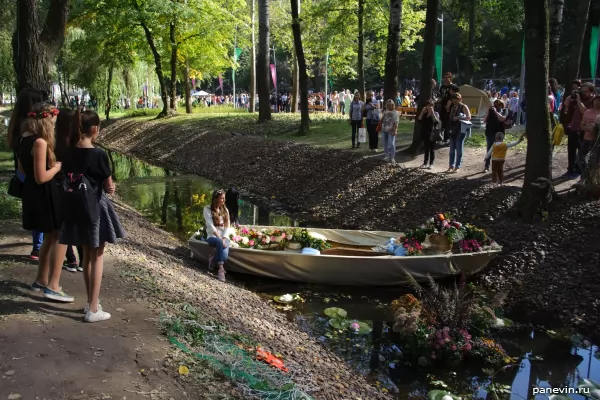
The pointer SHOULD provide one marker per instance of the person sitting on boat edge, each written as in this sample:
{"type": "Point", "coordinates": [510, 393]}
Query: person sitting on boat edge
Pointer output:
{"type": "Point", "coordinates": [216, 217]}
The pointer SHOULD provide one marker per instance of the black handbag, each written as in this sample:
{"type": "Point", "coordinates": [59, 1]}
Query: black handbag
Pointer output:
{"type": "Point", "coordinates": [15, 187]}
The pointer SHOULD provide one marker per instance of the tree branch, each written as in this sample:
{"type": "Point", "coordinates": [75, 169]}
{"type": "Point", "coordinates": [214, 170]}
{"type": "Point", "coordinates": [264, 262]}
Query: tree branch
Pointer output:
{"type": "Point", "coordinates": [53, 34]}
{"type": "Point", "coordinates": [189, 37]}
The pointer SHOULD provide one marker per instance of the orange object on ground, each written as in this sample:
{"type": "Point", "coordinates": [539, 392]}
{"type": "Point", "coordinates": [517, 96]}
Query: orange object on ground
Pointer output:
{"type": "Point", "coordinates": [262, 355]}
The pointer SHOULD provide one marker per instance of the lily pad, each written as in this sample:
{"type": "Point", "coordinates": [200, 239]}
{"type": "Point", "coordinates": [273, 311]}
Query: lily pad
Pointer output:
{"type": "Point", "coordinates": [335, 312]}
{"type": "Point", "coordinates": [339, 323]}
{"type": "Point", "coordinates": [363, 327]}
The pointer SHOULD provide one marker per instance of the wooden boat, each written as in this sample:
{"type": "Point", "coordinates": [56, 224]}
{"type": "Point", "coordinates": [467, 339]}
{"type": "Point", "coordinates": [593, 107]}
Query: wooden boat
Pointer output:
{"type": "Point", "coordinates": [350, 262]}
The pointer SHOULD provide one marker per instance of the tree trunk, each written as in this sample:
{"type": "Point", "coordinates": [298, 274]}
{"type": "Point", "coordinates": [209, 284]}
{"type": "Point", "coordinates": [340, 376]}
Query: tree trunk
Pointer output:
{"type": "Point", "coordinates": [556, 18]}
{"type": "Point", "coordinates": [393, 50]}
{"type": "Point", "coordinates": [173, 39]}
{"type": "Point", "coordinates": [164, 209]}
{"type": "Point", "coordinates": [302, 75]}
{"type": "Point", "coordinates": [295, 83]}
{"type": "Point", "coordinates": [263, 73]}
{"type": "Point", "coordinates": [361, 49]}
{"type": "Point", "coordinates": [471, 44]}
{"type": "Point", "coordinates": [427, 64]}
{"type": "Point", "coordinates": [252, 105]}
{"type": "Point", "coordinates": [158, 68]}
{"type": "Point", "coordinates": [35, 48]}
{"type": "Point", "coordinates": [577, 43]}
{"type": "Point", "coordinates": [537, 185]}
{"type": "Point", "coordinates": [108, 88]}
{"type": "Point", "coordinates": [187, 87]}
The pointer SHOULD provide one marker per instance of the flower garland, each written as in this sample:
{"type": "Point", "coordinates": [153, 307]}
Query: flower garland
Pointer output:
{"type": "Point", "coordinates": [43, 114]}
{"type": "Point", "coordinates": [276, 239]}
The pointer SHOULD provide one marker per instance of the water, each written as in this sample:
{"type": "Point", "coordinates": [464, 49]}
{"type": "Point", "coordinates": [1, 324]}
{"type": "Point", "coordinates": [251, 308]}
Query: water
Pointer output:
{"type": "Point", "coordinates": [176, 204]}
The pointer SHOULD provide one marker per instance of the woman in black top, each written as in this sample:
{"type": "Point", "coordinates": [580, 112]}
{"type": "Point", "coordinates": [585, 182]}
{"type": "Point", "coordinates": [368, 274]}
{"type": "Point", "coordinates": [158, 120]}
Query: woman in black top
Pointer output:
{"type": "Point", "coordinates": [494, 123]}
{"type": "Point", "coordinates": [41, 196]}
{"type": "Point", "coordinates": [83, 158]}
{"type": "Point", "coordinates": [428, 119]}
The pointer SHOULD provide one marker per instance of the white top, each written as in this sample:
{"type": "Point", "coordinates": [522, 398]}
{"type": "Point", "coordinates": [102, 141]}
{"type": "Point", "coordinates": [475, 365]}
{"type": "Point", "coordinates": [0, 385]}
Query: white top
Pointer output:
{"type": "Point", "coordinates": [214, 226]}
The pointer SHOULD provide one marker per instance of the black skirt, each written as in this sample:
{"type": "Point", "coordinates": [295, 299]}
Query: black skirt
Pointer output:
{"type": "Point", "coordinates": [41, 206]}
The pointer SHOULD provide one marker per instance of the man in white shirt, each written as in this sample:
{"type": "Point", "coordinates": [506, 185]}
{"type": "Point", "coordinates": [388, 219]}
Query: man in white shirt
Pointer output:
{"type": "Point", "coordinates": [342, 100]}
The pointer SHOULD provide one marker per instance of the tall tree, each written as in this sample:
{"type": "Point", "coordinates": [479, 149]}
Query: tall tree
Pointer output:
{"type": "Point", "coordinates": [392, 57]}
{"type": "Point", "coordinates": [427, 64]}
{"type": "Point", "coordinates": [253, 57]}
{"type": "Point", "coordinates": [574, 60]}
{"type": "Point", "coordinates": [302, 75]}
{"type": "Point", "coordinates": [37, 43]}
{"type": "Point", "coordinates": [361, 49]}
{"type": "Point", "coordinates": [556, 20]}
{"type": "Point", "coordinates": [537, 185]}
{"type": "Point", "coordinates": [173, 41]}
{"type": "Point", "coordinates": [263, 73]}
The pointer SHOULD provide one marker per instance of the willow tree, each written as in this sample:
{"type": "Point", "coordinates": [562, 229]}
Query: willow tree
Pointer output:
{"type": "Point", "coordinates": [37, 41]}
{"type": "Point", "coordinates": [537, 185]}
{"type": "Point", "coordinates": [263, 73]}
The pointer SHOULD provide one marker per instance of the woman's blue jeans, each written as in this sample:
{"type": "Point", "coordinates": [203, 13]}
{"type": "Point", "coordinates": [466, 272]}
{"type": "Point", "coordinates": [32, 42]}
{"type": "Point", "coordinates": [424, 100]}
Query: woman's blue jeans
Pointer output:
{"type": "Point", "coordinates": [36, 237]}
{"type": "Point", "coordinates": [457, 145]}
{"type": "Point", "coordinates": [222, 253]}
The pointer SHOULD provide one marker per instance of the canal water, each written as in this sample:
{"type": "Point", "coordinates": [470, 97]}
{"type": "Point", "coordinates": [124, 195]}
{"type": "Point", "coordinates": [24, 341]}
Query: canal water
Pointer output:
{"type": "Point", "coordinates": [175, 202]}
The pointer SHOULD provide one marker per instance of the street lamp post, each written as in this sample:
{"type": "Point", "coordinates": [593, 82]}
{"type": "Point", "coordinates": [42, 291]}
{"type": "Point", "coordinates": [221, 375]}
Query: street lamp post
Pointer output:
{"type": "Point", "coordinates": [494, 75]}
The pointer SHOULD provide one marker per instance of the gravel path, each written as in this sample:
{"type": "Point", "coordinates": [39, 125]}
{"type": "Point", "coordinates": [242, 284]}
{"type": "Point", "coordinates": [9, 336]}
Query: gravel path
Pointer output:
{"type": "Point", "coordinates": [550, 268]}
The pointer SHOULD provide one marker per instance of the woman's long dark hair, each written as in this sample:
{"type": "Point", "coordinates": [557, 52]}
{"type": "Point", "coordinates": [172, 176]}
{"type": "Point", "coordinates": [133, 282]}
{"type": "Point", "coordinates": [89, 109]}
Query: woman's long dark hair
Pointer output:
{"type": "Point", "coordinates": [25, 101]}
{"type": "Point", "coordinates": [218, 211]}
{"type": "Point", "coordinates": [232, 198]}
{"type": "Point", "coordinates": [64, 130]}
{"type": "Point", "coordinates": [83, 123]}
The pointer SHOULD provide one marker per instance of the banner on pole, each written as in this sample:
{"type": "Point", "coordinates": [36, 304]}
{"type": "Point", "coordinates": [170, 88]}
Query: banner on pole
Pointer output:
{"type": "Point", "coordinates": [274, 75]}
{"type": "Point", "coordinates": [236, 55]}
{"type": "Point", "coordinates": [221, 82]}
{"type": "Point", "coordinates": [594, 50]}
{"type": "Point", "coordinates": [438, 63]}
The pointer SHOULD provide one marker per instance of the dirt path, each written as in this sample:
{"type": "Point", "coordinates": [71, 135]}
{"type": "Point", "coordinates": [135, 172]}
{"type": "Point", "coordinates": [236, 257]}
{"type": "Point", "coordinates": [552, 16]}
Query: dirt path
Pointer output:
{"type": "Point", "coordinates": [47, 351]}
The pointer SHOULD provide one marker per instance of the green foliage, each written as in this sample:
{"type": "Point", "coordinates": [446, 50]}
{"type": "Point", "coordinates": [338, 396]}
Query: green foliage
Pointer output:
{"type": "Point", "coordinates": [10, 207]}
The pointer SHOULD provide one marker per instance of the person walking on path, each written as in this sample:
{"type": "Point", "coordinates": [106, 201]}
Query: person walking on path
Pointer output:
{"type": "Point", "coordinates": [428, 120]}
{"type": "Point", "coordinates": [389, 131]}
{"type": "Point", "coordinates": [356, 117]}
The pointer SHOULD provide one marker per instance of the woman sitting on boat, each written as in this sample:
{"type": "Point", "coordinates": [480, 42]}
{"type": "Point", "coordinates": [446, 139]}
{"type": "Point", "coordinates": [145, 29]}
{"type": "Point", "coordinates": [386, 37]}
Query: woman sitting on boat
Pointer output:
{"type": "Point", "coordinates": [216, 217]}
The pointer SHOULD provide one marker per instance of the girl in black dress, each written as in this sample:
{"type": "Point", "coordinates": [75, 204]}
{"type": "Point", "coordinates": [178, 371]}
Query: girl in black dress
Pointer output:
{"type": "Point", "coordinates": [82, 158]}
{"type": "Point", "coordinates": [41, 205]}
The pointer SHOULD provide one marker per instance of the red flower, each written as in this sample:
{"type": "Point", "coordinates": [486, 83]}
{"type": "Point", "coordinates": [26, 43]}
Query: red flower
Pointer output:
{"type": "Point", "coordinates": [44, 114]}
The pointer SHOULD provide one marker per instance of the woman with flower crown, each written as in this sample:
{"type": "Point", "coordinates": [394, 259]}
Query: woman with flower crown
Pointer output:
{"type": "Point", "coordinates": [41, 196]}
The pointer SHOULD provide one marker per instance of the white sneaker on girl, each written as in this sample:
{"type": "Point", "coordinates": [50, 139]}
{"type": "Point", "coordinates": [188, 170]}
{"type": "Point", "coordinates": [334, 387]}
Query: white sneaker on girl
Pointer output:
{"type": "Point", "coordinates": [98, 316]}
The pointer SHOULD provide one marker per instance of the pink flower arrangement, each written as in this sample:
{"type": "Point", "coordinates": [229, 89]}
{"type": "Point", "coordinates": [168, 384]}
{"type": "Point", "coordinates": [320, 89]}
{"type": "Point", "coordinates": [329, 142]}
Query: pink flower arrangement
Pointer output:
{"type": "Point", "coordinates": [469, 246]}
{"type": "Point", "coordinates": [251, 243]}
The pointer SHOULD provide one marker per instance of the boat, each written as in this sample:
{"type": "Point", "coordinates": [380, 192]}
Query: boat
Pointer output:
{"type": "Point", "coordinates": [351, 261]}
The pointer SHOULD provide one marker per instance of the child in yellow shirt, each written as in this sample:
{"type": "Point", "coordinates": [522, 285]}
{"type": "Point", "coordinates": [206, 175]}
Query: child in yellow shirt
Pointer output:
{"type": "Point", "coordinates": [498, 154]}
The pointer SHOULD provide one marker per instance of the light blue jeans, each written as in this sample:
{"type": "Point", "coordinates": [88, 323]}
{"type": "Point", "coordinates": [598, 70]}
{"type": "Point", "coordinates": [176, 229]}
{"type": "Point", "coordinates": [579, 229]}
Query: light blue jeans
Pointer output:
{"type": "Point", "coordinates": [389, 145]}
{"type": "Point", "coordinates": [36, 237]}
{"type": "Point", "coordinates": [457, 145]}
{"type": "Point", "coordinates": [222, 253]}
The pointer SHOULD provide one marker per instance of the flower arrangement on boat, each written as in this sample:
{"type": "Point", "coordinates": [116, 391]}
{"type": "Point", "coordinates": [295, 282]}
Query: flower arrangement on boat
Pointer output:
{"type": "Point", "coordinates": [276, 238]}
{"type": "Point", "coordinates": [440, 234]}
{"type": "Point", "coordinates": [449, 325]}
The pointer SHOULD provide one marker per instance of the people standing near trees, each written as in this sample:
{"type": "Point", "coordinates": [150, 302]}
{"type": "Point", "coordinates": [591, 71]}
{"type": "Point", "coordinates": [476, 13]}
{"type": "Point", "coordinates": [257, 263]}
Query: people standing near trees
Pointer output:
{"type": "Point", "coordinates": [494, 123]}
{"type": "Point", "coordinates": [41, 197]}
{"type": "Point", "coordinates": [389, 131]}
{"type": "Point", "coordinates": [445, 102]}
{"type": "Point", "coordinates": [554, 88]}
{"type": "Point", "coordinates": [217, 221]}
{"type": "Point", "coordinates": [458, 131]}
{"type": "Point", "coordinates": [371, 113]}
{"type": "Point", "coordinates": [428, 120]}
{"type": "Point", "coordinates": [90, 220]}
{"type": "Point", "coordinates": [588, 124]}
{"type": "Point", "coordinates": [342, 99]}
{"type": "Point", "coordinates": [513, 107]}
{"type": "Point", "coordinates": [64, 128]}
{"type": "Point", "coordinates": [25, 101]}
{"type": "Point", "coordinates": [349, 99]}
{"type": "Point", "coordinates": [573, 108]}
{"type": "Point", "coordinates": [335, 102]}
{"type": "Point", "coordinates": [356, 117]}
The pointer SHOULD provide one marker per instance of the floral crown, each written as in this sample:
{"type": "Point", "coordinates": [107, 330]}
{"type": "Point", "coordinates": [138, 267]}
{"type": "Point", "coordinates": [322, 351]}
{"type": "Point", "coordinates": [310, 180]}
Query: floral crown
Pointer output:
{"type": "Point", "coordinates": [43, 114]}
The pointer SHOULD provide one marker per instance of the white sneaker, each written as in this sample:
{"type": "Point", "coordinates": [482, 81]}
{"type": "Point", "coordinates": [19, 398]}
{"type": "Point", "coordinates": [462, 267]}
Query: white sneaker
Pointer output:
{"type": "Point", "coordinates": [87, 308]}
{"type": "Point", "coordinates": [386, 159]}
{"type": "Point", "coordinates": [97, 316]}
{"type": "Point", "coordinates": [393, 161]}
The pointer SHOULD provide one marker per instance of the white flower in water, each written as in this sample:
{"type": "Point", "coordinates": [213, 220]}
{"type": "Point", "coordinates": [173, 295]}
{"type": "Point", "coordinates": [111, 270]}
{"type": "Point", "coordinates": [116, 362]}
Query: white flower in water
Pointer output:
{"type": "Point", "coordinates": [245, 240]}
{"type": "Point", "coordinates": [447, 397]}
{"type": "Point", "coordinates": [315, 235]}
{"type": "Point", "coordinates": [286, 298]}
{"type": "Point", "coordinates": [499, 323]}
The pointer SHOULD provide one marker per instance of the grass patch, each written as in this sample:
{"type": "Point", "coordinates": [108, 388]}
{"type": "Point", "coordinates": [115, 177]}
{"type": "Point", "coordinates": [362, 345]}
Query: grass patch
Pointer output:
{"type": "Point", "coordinates": [10, 207]}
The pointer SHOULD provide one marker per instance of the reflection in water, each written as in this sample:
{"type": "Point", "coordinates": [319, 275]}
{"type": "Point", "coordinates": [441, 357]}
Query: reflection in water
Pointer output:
{"type": "Point", "coordinates": [177, 202]}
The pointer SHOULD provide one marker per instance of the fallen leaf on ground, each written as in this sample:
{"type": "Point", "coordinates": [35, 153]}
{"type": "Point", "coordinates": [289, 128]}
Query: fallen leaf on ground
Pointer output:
{"type": "Point", "coordinates": [183, 370]}
{"type": "Point", "coordinates": [9, 373]}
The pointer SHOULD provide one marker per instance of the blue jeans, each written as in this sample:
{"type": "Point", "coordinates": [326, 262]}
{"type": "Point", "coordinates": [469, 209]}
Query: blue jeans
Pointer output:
{"type": "Point", "coordinates": [36, 237]}
{"type": "Point", "coordinates": [222, 253]}
{"type": "Point", "coordinates": [389, 145]}
{"type": "Point", "coordinates": [457, 145]}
